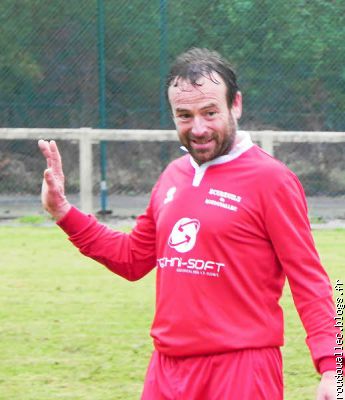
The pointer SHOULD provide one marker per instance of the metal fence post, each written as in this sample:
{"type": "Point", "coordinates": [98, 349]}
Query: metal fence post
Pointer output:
{"type": "Point", "coordinates": [163, 61]}
{"type": "Point", "coordinates": [102, 103]}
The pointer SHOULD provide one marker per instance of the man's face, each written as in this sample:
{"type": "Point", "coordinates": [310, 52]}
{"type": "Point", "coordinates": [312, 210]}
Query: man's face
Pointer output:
{"type": "Point", "coordinates": [205, 124]}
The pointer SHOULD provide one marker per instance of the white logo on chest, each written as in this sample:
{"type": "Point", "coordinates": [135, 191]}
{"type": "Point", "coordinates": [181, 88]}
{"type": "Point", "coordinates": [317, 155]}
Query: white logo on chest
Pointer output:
{"type": "Point", "coordinates": [170, 195]}
{"type": "Point", "coordinates": [183, 234]}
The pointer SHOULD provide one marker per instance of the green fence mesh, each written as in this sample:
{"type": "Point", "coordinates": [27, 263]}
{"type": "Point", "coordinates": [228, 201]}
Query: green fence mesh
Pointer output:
{"type": "Point", "coordinates": [102, 63]}
{"type": "Point", "coordinates": [289, 56]}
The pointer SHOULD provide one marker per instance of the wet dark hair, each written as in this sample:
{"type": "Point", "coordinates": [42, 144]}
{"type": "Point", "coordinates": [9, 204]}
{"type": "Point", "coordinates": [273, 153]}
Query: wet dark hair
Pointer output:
{"type": "Point", "coordinates": [199, 62]}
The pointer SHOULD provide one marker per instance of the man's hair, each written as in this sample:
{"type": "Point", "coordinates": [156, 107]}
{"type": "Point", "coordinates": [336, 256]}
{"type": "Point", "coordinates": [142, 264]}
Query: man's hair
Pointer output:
{"type": "Point", "coordinates": [196, 63]}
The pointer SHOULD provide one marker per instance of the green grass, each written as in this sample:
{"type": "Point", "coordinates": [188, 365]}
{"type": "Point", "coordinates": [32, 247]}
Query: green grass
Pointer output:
{"type": "Point", "coordinates": [33, 219]}
{"type": "Point", "coordinates": [300, 378]}
{"type": "Point", "coordinates": [70, 329]}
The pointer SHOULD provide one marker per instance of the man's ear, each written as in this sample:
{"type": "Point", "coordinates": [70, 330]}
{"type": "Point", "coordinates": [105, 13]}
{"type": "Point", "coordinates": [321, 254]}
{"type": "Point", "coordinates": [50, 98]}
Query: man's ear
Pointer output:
{"type": "Point", "coordinates": [236, 108]}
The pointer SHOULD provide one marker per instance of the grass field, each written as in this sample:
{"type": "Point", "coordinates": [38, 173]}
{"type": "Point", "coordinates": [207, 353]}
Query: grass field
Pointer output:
{"type": "Point", "coordinates": [70, 329]}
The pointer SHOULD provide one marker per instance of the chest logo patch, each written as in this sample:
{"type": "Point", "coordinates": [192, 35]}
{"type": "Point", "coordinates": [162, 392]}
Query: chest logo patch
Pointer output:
{"type": "Point", "coordinates": [170, 194]}
{"type": "Point", "coordinates": [183, 235]}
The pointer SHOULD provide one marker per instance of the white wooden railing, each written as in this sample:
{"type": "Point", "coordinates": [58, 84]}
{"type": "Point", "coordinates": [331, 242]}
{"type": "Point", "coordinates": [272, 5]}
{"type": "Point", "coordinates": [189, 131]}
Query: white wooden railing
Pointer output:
{"type": "Point", "coordinates": [88, 136]}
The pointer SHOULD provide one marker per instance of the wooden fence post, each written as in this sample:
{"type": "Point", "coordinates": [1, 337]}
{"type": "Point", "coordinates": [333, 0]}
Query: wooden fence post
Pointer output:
{"type": "Point", "coordinates": [85, 170]}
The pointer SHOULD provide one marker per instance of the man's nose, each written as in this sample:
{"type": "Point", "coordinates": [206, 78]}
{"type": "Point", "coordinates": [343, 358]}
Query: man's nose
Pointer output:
{"type": "Point", "coordinates": [199, 127]}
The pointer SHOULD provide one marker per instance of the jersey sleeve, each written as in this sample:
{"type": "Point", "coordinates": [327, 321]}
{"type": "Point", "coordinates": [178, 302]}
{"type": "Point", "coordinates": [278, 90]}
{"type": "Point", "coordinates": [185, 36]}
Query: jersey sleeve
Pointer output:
{"type": "Point", "coordinates": [130, 255]}
{"type": "Point", "coordinates": [288, 228]}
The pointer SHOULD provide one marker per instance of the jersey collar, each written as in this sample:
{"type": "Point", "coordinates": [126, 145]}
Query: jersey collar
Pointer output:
{"type": "Point", "coordinates": [242, 143]}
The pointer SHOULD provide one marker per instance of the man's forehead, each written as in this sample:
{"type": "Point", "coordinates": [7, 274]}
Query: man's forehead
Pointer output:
{"type": "Point", "coordinates": [206, 88]}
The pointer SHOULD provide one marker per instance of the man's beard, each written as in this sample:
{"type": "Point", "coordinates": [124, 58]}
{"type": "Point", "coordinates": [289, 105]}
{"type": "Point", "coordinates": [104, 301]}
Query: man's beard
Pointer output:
{"type": "Point", "coordinates": [223, 143]}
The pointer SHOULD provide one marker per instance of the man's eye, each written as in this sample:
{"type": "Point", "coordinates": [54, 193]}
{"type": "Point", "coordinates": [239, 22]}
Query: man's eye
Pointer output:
{"type": "Point", "coordinates": [211, 113]}
{"type": "Point", "coordinates": [183, 116]}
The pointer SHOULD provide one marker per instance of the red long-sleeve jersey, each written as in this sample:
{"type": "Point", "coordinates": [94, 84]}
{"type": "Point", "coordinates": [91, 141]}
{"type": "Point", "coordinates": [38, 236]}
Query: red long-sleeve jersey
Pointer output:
{"type": "Point", "coordinates": [223, 237]}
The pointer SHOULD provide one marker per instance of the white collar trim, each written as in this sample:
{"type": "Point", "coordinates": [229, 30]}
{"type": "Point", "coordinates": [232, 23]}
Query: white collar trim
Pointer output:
{"type": "Point", "coordinates": [243, 142]}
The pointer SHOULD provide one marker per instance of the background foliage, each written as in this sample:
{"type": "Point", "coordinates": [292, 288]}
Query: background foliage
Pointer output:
{"type": "Point", "coordinates": [288, 56]}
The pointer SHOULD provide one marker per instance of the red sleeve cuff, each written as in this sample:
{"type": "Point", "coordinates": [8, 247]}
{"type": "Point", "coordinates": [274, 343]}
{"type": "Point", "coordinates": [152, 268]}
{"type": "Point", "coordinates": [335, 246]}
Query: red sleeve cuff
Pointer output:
{"type": "Point", "coordinates": [74, 221]}
{"type": "Point", "coordinates": [327, 364]}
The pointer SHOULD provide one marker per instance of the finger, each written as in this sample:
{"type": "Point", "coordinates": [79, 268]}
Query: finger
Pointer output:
{"type": "Point", "coordinates": [56, 163]}
{"type": "Point", "coordinates": [50, 179]}
{"type": "Point", "coordinates": [45, 150]}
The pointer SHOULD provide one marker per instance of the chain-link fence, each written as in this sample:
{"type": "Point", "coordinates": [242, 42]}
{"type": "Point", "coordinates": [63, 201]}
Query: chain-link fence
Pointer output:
{"type": "Point", "coordinates": [103, 63]}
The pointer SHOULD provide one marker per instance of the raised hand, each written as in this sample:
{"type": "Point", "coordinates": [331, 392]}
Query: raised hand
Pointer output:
{"type": "Point", "coordinates": [53, 186]}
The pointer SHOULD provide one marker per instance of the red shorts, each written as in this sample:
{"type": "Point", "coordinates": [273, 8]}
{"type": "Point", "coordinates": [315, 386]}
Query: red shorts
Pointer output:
{"type": "Point", "coordinates": [251, 374]}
